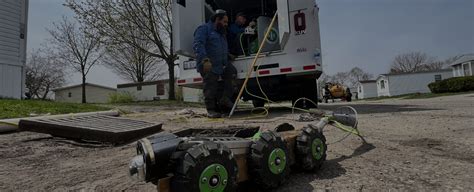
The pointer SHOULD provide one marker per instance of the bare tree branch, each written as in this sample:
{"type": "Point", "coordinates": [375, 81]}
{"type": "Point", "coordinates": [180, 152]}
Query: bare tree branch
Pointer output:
{"type": "Point", "coordinates": [131, 22]}
{"type": "Point", "coordinates": [44, 71]}
{"type": "Point", "coordinates": [79, 47]}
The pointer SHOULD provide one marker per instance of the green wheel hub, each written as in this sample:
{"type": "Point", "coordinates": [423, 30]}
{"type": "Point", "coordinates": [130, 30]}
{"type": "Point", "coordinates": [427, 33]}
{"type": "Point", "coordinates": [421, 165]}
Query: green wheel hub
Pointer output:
{"type": "Point", "coordinates": [214, 178]}
{"type": "Point", "coordinates": [277, 161]}
{"type": "Point", "coordinates": [317, 148]}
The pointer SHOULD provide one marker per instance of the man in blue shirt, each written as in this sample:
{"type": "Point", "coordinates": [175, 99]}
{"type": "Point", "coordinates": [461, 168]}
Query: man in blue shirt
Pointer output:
{"type": "Point", "coordinates": [212, 53]}
{"type": "Point", "coordinates": [236, 29]}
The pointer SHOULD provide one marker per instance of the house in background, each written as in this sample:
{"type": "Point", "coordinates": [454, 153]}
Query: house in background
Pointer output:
{"type": "Point", "coordinates": [146, 91]}
{"type": "Point", "coordinates": [367, 89]}
{"type": "Point", "coordinates": [13, 32]}
{"type": "Point", "coordinates": [73, 94]}
{"type": "Point", "coordinates": [464, 66]}
{"type": "Point", "coordinates": [192, 95]}
{"type": "Point", "coordinates": [407, 83]}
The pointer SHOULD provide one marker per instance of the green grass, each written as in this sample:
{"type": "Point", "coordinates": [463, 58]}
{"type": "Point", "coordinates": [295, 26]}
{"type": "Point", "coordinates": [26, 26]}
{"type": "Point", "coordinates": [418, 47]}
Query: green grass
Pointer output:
{"type": "Point", "coordinates": [166, 103]}
{"type": "Point", "coordinates": [23, 108]}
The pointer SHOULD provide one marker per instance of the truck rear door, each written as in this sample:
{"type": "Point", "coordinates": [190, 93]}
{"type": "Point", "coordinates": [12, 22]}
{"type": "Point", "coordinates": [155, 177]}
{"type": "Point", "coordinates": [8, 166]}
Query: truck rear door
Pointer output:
{"type": "Point", "coordinates": [187, 16]}
{"type": "Point", "coordinates": [283, 22]}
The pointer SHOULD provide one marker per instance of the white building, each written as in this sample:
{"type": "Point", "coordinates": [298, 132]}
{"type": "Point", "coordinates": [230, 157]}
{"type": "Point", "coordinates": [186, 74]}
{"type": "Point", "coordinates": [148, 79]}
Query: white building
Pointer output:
{"type": "Point", "coordinates": [13, 32]}
{"type": "Point", "coordinates": [146, 91]}
{"type": "Point", "coordinates": [367, 89]}
{"type": "Point", "coordinates": [192, 95]}
{"type": "Point", "coordinates": [407, 83]}
{"type": "Point", "coordinates": [94, 93]}
{"type": "Point", "coordinates": [464, 66]}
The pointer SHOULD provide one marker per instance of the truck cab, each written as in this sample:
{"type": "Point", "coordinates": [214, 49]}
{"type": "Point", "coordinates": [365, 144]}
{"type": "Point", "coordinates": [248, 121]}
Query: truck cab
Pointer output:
{"type": "Point", "coordinates": [290, 62]}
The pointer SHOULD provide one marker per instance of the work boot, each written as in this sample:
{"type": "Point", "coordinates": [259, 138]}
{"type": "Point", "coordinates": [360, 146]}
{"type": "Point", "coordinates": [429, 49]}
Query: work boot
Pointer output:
{"type": "Point", "coordinates": [226, 103]}
{"type": "Point", "coordinates": [213, 114]}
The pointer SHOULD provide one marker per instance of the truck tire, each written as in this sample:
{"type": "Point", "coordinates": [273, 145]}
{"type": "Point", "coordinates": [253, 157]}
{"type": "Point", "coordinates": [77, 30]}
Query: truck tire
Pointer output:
{"type": "Point", "coordinates": [308, 91]}
{"type": "Point", "coordinates": [269, 161]}
{"type": "Point", "coordinates": [206, 167]}
{"type": "Point", "coordinates": [258, 103]}
{"type": "Point", "coordinates": [310, 149]}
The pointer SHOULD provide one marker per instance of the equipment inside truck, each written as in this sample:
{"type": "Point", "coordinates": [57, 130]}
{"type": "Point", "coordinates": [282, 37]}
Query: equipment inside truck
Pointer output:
{"type": "Point", "coordinates": [258, 12]}
{"type": "Point", "coordinates": [193, 13]}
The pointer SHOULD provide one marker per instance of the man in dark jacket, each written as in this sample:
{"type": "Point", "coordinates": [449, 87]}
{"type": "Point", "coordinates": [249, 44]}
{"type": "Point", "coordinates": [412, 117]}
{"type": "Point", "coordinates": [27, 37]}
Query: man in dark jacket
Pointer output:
{"type": "Point", "coordinates": [212, 53]}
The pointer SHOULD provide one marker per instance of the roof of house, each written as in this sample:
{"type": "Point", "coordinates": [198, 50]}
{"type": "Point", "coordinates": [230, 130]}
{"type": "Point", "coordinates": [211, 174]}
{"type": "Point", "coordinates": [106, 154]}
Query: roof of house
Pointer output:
{"type": "Point", "coordinates": [87, 84]}
{"type": "Point", "coordinates": [463, 59]}
{"type": "Point", "coordinates": [368, 81]}
{"type": "Point", "coordinates": [141, 83]}
{"type": "Point", "coordinates": [419, 72]}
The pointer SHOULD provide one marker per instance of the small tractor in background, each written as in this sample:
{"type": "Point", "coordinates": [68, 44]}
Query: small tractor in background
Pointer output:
{"type": "Point", "coordinates": [219, 160]}
{"type": "Point", "coordinates": [336, 91]}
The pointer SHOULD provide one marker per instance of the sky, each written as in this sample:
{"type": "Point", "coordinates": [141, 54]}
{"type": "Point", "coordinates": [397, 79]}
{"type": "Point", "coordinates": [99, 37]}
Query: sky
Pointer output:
{"type": "Point", "coordinates": [354, 33]}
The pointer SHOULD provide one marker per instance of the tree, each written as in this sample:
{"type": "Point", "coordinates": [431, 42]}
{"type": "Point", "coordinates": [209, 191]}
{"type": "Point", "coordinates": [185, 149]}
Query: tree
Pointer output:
{"type": "Point", "coordinates": [131, 63]}
{"type": "Point", "coordinates": [356, 74]}
{"type": "Point", "coordinates": [79, 47]}
{"type": "Point", "coordinates": [43, 72]}
{"type": "Point", "coordinates": [149, 20]}
{"type": "Point", "coordinates": [415, 62]}
{"type": "Point", "coordinates": [341, 78]}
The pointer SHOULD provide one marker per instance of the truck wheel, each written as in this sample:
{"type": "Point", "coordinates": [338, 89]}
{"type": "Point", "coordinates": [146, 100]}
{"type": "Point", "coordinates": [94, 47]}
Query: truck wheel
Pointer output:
{"type": "Point", "coordinates": [206, 167]}
{"type": "Point", "coordinates": [269, 161]}
{"type": "Point", "coordinates": [258, 103]}
{"type": "Point", "coordinates": [310, 149]}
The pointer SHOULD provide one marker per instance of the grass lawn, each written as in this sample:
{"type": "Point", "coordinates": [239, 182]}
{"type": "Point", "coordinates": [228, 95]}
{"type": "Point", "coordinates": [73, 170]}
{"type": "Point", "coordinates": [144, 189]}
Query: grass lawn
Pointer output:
{"type": "Point", "coordinates": [165, 103]}
{"type": "Point", "coordinates": [23, 108]}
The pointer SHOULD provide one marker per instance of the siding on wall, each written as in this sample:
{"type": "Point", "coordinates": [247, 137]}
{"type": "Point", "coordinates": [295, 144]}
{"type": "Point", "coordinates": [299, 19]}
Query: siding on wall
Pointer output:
{"type": "Point", "coordinates": [414, 83]}
{"type": "Point", "coordinates": [147, 93]}
{"type": "Point", "coordinates": [367, 90]}
{"type": "Point", "coordinates": [192, 95]}
{"type": "Point", "coordinates": [93, 95]}
{"type": "Point", "coordinates": [13, 19]}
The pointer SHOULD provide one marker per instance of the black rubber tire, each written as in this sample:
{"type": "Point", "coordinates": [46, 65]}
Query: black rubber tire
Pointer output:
{"type": "Point", "coordinates": [195, 159]}
{"type": "Point", "coordinates": [258, 161]}
{"type": "Point", "coordinates": [304, 157]}
{"type": "Point", "coordinates": [349, 98]}
{"type": "Point", "coordinates": [258, 103]}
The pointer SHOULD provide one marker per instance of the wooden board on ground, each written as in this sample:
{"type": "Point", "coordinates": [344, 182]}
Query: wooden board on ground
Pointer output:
{"type": "Point", "coordinates": [99, 128]}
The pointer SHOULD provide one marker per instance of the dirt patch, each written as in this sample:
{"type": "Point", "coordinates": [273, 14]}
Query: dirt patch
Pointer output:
{"type": "Point", "coordinates": [416, 145]}
{"type": "Point", "coordinates": [442, 148]}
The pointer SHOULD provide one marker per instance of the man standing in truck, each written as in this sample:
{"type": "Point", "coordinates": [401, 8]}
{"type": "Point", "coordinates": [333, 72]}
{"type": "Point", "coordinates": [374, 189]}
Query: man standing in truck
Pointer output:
{"type": "Point", "coordinates": [236, 29]}
{"type": "Point", "coordinates": [212, 52]}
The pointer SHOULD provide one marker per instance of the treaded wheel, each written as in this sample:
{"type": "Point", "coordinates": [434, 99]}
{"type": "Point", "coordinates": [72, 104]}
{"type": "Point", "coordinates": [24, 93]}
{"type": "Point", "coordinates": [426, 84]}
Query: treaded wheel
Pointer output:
{"type": "Point", "coordinates": [269, 161]}
{"type": "Point", "coordinates": [206, 167]}
{"type": "Point", "coordinates": [310, 149]}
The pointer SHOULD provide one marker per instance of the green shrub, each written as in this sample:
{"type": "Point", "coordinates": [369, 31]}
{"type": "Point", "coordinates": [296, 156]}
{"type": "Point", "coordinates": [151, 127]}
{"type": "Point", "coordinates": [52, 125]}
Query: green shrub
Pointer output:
{"type": "Point", "coordinates": [455, 84]}
{"type": "Point", "coordinates": [125, 97]}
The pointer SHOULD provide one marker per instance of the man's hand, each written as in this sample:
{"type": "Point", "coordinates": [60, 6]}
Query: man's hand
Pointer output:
{"type": "Point", "coordinates": [206, 65]}
{"type": "Point", "coordinates": [252, 24]}
{"type": "Point", "coordinates": [231, 57]}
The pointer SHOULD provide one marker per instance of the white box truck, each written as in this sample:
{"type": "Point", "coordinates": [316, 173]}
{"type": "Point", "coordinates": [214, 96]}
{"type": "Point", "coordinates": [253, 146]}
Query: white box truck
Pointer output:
{"type": "Point", "coordinates": [290, 63]}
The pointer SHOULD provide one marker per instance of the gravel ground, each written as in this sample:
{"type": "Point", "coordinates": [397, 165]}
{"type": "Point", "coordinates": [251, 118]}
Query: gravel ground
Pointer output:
{"type": "Point", "coordinates": [422, 144]}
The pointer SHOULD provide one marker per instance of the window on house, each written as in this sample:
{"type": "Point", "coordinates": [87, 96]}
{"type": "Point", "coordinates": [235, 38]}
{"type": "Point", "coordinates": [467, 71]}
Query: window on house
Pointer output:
{"type": "Point", "coordinates": [139, 88]}
{"type": "Point", "coordinates": [69, 94]}
{"type": "Point", "coordinates": [382, 84]}
{"type": "Point", "coordinates": [160, 88]}
{"type": "Point", "coordinates": [360, 89]}
{"type": "Point", "coordinates": [437, 78]}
